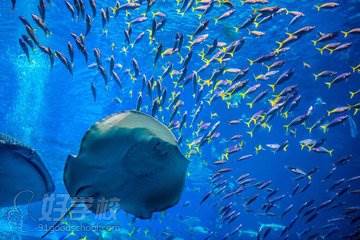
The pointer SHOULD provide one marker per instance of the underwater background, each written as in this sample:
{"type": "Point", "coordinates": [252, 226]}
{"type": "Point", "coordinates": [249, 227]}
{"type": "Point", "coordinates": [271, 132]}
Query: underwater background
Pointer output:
{"type": "Point", "coordinates": [50, 109]}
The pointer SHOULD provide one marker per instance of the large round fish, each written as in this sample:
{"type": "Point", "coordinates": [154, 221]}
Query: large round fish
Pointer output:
{"type": "Point", "coordinates": [23, 176]}
{"type": "Point", "coordinates": [130, 157]}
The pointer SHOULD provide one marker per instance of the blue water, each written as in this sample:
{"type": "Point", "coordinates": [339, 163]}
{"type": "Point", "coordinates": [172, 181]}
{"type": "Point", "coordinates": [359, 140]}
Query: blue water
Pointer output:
{"type": "Point", "coordinates": [50, 110]}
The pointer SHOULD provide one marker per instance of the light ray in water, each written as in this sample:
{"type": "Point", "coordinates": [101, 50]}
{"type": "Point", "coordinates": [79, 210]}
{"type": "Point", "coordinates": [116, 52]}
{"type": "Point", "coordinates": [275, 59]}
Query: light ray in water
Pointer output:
{"type": "Point", "coordinates": [353, 127]}
{"type": "Point", "coordinates": [29, 100]}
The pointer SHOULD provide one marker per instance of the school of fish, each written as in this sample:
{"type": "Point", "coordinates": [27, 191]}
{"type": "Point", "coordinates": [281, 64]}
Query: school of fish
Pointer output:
{"type": "Point", "coordinates": [193, 100]}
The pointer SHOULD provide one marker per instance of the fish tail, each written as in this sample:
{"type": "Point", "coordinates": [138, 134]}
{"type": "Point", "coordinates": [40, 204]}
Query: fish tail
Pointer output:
{"type": "Point", "coordinates": [321, 50]}
{"type": "Point", "coordinates": [356, 111]}
{"type": "Point", "coordinates": [286, 148]}
{"type": "Point", "coordinates": [328, 84]}
{"type": "Point", "coordinates": [255, 77]}
{"type": "Point", "coordinates": [237, 29]}
{"type": "Point", "coordinates": [256, 24]}
{"type": "Point", "coordinates": [286, 127]}
{"type": "Point", "coordinates": [250, 104]}
{"type": "Point", "coordinates": [302, 146]}
{"type": "Point", "coordinates": [202, 54]}
{"type": "Point", "coordinates": [68, 211]}
{"type": "Point", "coordinates": [190, 37]}
{"type": "Point", "coordinates": [249, 31]}
{"type": "Point", "coordinates": [315, 76]}
{"type": "Point", "coordinates": [286, 114]}
{"type": "Point", "coordinates": [190, 45]}
{"type": "Point", "coordinates": [314, 42]}
{"type": "Point", "coordinates": [254, 10]}
{"type": "Point", "coordinates": [251, 62]}
{"type": "Point", "coordinates": [330, 152]}
{"type": "Point", "coordinates": [272, 102]}
{"type": "Point", "coordinates": [329, 113]}
{"type": "Point", "coordinates": [220, 59]}
{"type": "Point", "coordinates": [251, 133]}
{"type": "Point", "coordinates": [345, 33]}
{"type": "Point", "coordinates": [131, 233]}
{"type": "Point", "coordinates": [352, 94]}
{"type": "Point", "coordinates": [324, 128]}
{"type": "Point", "coordinates": [128, 24]}
{"type": "Point", "coordinates": [248, 123]}
{"type": "Point", "coordinates": [216, 21]}
{"type": "Point", "coordinates": [280, 44]}
{"type": "Point", "coordinates": [243, 95]}
{"type": "Point", "coordinates": [318, 7]}
{"type": "Point", "coordinates": [310, 129]}
{"type": "Point", "coordinates": [272, 87]}
{"type": "Point", "coordinates": [267, 67]}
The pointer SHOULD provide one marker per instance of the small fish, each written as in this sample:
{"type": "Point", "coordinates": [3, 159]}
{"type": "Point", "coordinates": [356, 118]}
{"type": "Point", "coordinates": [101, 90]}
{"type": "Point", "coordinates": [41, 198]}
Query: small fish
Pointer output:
{"type": "Point", "coordinates": [326, 5]}
{"type": "Point", "coordinates": [93, 91]}
{"type": "Point", "coordinates": [225, 15]}
{"type": "Point", "coordinates": [339, 78]}
{"type": "Point", "coordinates": [334, 122]}
{"type": "Point", "coordinates": [351, 31]}
{"type": "Point", "coordinates": [93, 7]}
{"type": "Point", "coordinates": [325, 73]}
{"type": "Point", "coordinates": [24, 48]}
{"type": "Point", "coordinates": [13, 4]}
{"type": "Point", "coordinates": [88, 22]}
